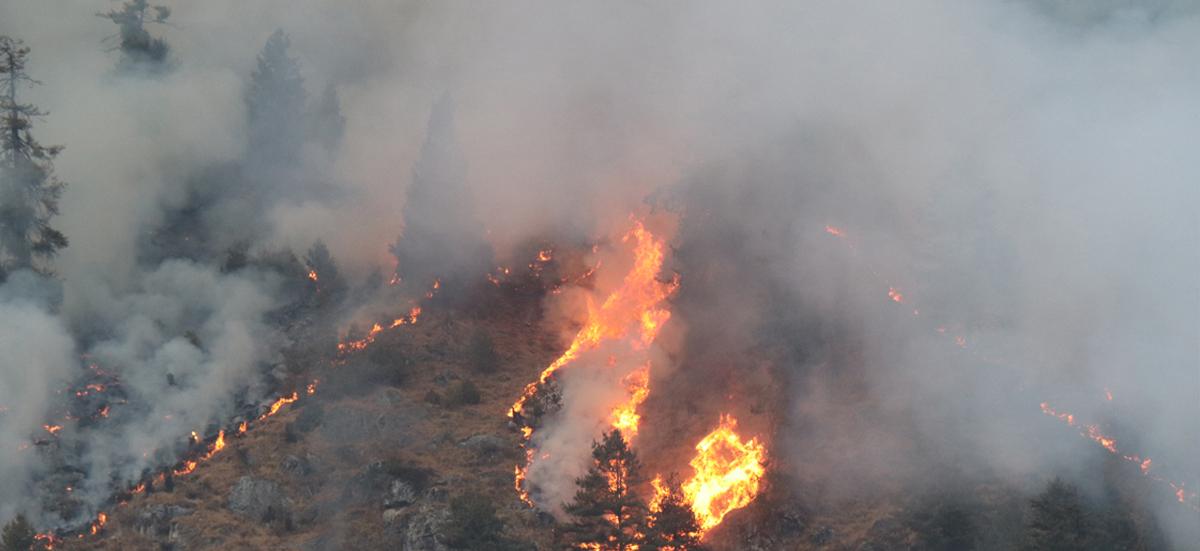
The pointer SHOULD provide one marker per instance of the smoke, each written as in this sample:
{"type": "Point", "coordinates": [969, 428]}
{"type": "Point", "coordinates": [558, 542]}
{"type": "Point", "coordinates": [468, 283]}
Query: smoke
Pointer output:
{"type": "Point", "coordinates": [1020, 172]}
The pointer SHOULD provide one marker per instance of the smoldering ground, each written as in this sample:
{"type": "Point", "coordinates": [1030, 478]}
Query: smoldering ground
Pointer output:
{"type": "Point", "coordinates": [1024, 168]}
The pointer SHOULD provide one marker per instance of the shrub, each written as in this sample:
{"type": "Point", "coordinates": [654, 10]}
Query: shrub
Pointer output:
{"type": "Point", "coordinates": [473, 525]}
{"type": "Point", "coordinates": [482, 352]}
{"type": "Point", "coordinates": [463, 393]}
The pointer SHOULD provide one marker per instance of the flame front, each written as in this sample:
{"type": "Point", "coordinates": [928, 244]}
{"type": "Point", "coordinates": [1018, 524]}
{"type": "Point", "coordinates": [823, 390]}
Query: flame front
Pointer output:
{"type": "Point", "coordinates": [727, 472]}
{"type": "Point", "coordinates": [624, 415]}
{"type": "Point", "coordinates": [636, 300]}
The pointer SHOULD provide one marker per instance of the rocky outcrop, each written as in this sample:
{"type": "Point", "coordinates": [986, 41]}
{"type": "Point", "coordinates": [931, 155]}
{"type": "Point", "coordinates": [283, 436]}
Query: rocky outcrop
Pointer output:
{"type": "Point", "coordinates": [157, 521]}
{"type": "Point", "coordinates": [415, 530]}
{"type": "Point", "coordinates": [258, 499]}
{"type": "Point", "coordinates": [486, 445]}
{"type": "Point", "coordinates": [399, 494]}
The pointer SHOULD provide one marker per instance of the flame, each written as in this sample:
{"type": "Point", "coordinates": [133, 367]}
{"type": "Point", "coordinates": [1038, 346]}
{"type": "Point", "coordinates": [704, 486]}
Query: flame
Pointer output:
{"type": "Point", "coordinates": [1095, 433]}
{"type": "Point", "coordinates": [100, 520]}
{"type": "Point", "coordinates": [278, 404]}
{"type": "Point", "coordinates": [370, 338]}
{"type": "Point", "coordinates": [52, 429]}
{"type": "Point", "coordinates": [727, 472]}
{"type": "Point", "coordinates": [635, 300]}
{"type": "Point", "coordinates": [312, 274]}
{"type": "Point", "coordinates": [624, 416]}
{"type": "Point", "coordinates": [544, 256]}
{"type": "Point", "coordinates": [895, 294]}
{"type": "Point", "coordinates": [834, 231]}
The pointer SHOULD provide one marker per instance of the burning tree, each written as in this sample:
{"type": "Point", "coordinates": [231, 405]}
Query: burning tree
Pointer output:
{"type": "Point", "coordinates": [139, 50]}
{"type": "Point", "coordinates": [673, 523]}
{"type": "Point", "coordinates": [29, 191]}
{"type": "Point", "coordinates": [610, 514]}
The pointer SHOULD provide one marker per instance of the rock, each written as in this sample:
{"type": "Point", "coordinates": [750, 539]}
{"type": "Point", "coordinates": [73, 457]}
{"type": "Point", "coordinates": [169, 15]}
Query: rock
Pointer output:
{"type": "Point", "coordinates": [823, 535]}
{"type": "Point", "coordinates": [296, 467]}
{"type": "Point", "coordinates": [415, 531]}
{"type": "Point", "coordinates": [790, 524]}
{"type": "Point", "coordinates": [437, 494]}
{"type": "Point", "coordinates": [320, 512]}
{"type": "Point", "coordinates": [154, 521]}
{"type": "Point", "coordinates": [348, 425]}
{"type": "Point", "coordinates": [389, 397]}
{"type": "Point", "coordinates": [485, 444]}
{"type": "Point", "coordinates": [444, 378]}
{"type": "Point", "coordinates": [546, 519]}
{"type": "Point", "coordinates": [398, 495]}
{"type": "Point", "coordinates": [258, 498]}
{"type": "Point", "coordinates": [368, 485]}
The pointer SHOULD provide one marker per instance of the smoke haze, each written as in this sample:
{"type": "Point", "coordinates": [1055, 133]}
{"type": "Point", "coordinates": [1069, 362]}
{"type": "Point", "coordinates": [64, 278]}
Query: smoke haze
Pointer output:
{"type": "Point", "coordinates": [1022, 173]}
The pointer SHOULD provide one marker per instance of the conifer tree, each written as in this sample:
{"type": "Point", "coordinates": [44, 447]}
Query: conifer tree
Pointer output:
{"type": "Point", "coordinates": [609, 513]}
{"type": "Point", "coordinates": [1059, 521]}
{"type": "Point", "coordinates": [473, 525]}
{"type": "Point", "coordinates": [673, 525]}
{"type": "Point", "coordinates": [443, 238]}
{"type": "Point", "coordinates": [29, 191]}
{"type": "Point", "coordinates": [275, 103]}
{"type": "Point", "coordinates": [18, 535]}
{"type": "Point", "coordinates": [139, 50]}
{"type": "Point", "coordinates": [323, 274]}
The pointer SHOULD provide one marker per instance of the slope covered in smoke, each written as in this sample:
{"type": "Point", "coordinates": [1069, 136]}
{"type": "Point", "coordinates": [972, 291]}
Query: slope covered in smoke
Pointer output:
{"type": "Point", "coordinates": [905, 232]}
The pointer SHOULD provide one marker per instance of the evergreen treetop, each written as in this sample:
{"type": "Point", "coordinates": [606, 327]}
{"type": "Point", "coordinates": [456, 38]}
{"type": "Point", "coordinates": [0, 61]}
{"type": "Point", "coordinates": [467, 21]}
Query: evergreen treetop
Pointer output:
{"type": "Point", "coordinates": [29, 191]}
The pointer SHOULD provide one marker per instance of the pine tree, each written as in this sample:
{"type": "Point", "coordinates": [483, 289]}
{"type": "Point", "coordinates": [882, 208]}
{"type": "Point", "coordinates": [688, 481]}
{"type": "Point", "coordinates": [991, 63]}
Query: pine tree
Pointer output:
{"type": "Point", "coordinates": [139, 50]}
{"type": "Point", "coordinates": [323, 274]}
{"type": "Point", "coordinates": [18, 535]}
{"type": "Point", "coordinates": [1059, 521]}
{"type": "Point", "coordinates": [609, 513]}
{"type": "Point", "coordinates": [673, 525]}
{"type": "Point", "coordinates": [443, 238]}
{"type": "Point", "coordinates": [275, 103]}
{"type": "Point", "coordinates": [29, 191]}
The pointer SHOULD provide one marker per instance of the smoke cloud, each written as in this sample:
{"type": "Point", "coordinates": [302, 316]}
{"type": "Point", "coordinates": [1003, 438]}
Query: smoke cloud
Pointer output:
{"type": "Point", "coordinates": [1020, 173]}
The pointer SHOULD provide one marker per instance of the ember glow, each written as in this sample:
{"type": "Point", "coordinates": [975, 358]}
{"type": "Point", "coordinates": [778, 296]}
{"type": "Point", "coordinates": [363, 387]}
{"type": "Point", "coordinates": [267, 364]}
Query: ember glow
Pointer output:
{"type": "Point", "coordinates": [727, 473]}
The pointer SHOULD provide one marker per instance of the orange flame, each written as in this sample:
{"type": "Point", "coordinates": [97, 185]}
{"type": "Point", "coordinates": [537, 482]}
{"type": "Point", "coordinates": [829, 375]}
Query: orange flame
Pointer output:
{"type": "Point", "coordinates": [312, 274]}
{"type": "Point", "coordinates": [635, 300]}
{"type": "Point", "coordinates": [624, 416]}
{"type": "Point", "coordinates": [727, 472]}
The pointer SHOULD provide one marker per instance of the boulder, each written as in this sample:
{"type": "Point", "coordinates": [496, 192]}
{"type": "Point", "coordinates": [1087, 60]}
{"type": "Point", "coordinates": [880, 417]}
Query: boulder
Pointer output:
{"type": "Point", "coordinates": [155, 521]}
{"type": "Point", "coordinates": [389, 397]}
{"type": "Point", "coordinates": [415, 531]}
{"type": "Point", "coordinates": [485, 444]}
{"type": "Point", "coordinates": [399, 494]}
{"type": "Point", "coordinates": [258, 498]}
{"type": "Point", "coordinates": [348, 425]}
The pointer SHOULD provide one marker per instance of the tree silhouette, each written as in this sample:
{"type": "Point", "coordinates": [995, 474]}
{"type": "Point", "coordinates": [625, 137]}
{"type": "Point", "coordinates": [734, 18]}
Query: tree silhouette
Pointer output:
{"type": "Point", "coordinates": [673, 525]}
{"type": "Point", "coordinates": [139, 50]}
{"type": "Point", "coordinates": [29, 191]}
{"type": "Point", "coordinates": [18, 535]}
{"type": "Point", "coordinates": [275, 104]}
{"type": "Point", "coordinates": [1059, 521]}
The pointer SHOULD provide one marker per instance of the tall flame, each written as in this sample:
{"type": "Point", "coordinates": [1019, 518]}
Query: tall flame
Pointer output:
{"type": "Point", "coordinates": [727, 472]}
{"type": "Point", "coordinates": [636, 300]}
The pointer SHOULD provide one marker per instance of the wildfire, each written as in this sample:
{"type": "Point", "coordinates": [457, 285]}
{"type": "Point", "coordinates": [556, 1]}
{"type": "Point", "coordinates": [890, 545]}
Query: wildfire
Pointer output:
{"type": "Point", "coordinates": [370, 338]}
{"type": "Point", "coordinates": [312, 274]}
{"type": "Point", "coordinates": [624, 416]}
{"type": "Point", "coordinates": [100, 520]}
{"type": "Point", "coordinates": [636, 300]}
{"type": "Point", "coordinates": [727, 472]}
{"type": "Point", "coordinates": [1094, 432]}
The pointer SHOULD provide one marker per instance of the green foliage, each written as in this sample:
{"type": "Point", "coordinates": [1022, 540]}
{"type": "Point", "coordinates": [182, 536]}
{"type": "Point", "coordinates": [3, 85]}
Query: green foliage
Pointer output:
{"type": "Point", "coordinates": [673, 525]}
{"type": "Point", "coordinates": [474, 526]}
{"type": "Point", "coordinates": [18, 535]}
{"type": "Point", "coordinates": [1059, 521]}
{"type": "Point", "coordinates": [609, 513]}
{"type": "Point", "coordinates": [482, 352]}
{"type": "Point", "coordinates": [462, 393]}
{"type": "Point", "coordinates": [29, 191]}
